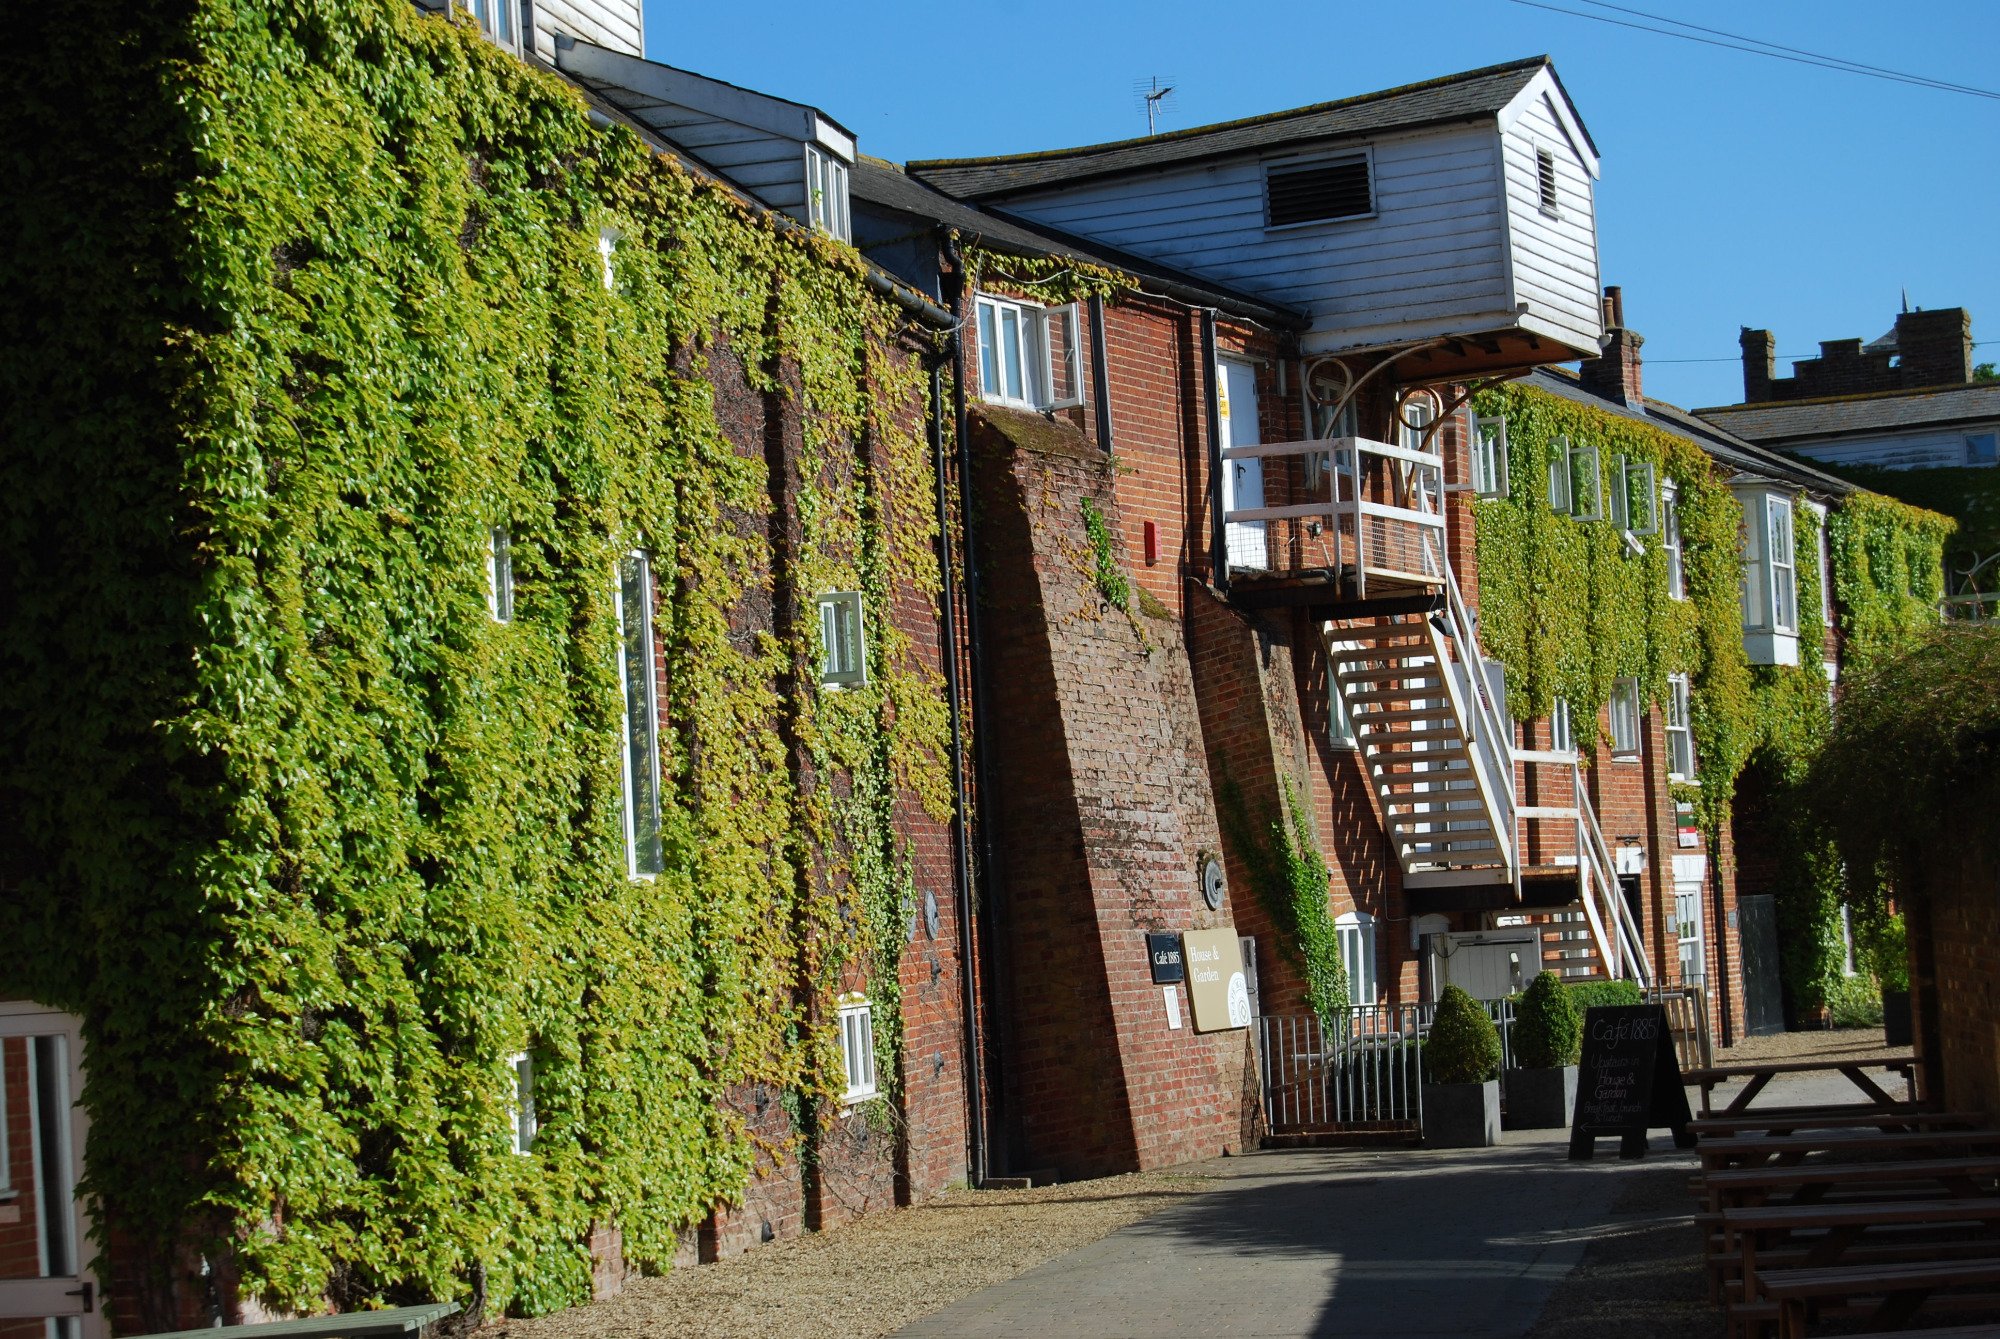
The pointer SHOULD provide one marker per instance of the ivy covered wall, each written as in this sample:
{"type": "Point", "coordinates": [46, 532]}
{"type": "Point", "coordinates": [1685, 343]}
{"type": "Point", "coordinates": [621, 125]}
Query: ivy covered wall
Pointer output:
{"type": "Point", "coordinates": [1569, 608]}
{"type": "Point", "coordinates": [305, 300]}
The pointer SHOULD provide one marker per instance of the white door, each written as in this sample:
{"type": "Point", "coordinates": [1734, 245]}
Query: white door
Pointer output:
{"type": "Point", "coordinates": [1242, 480]}
{"type": "Point", "coordinates": [45, 1255]}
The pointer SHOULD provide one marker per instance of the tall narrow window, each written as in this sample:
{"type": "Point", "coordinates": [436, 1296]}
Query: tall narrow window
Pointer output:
{"type": "Point", "coordinates": [1559, 490]}
{"type": "Point", "coordinates": [1489, 456]}
{"type": "Point", "coordinates": [1680, 729]}
{"type": "Point", "coordinates": [522, 1069]}
{"type": "Point", "coordinates": [1821, 552]}
{"type": "Point", "coordinates": [1356, 931]}
{"type": "Point", "coordinates": [643, 856]}
{"type": "Point", "coordinates": [1670, 532]}
{"type": "Point", "coordinates": [843, 651]}
{"type": "Point", "coordinates": [1586, 484]}
{"type": "Point", "coordinates": [1634, 506]}
{"type": "Point", "coordinates": [1339, 724]}
{"type": "Point", "coordinates": [1562, 731]}
{"type": "Point", "coordinates": [607, 251]}
{"type": "Point", "coordinates": [499, 575]}
{"type": "Point", "coordinates": [1625, 718]}
{"type": "Point", "coordinates": [857, 1047]}
{"type": "Point", "coordinates": [1414, 417]}
{"type": "Point", "coordinates": [826, 193]}
{"type": "Point", "coordinates": [1784, 580]}
{"type": "Point", "coordinates": [499, 21]}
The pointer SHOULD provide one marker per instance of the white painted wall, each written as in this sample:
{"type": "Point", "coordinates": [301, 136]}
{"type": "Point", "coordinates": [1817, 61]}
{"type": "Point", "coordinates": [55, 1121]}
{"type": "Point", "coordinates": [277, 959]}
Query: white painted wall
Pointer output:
{"type": "Point", "coordinates": [1554, 257]}
{"type": "Point", "coordinates": [617, 24]}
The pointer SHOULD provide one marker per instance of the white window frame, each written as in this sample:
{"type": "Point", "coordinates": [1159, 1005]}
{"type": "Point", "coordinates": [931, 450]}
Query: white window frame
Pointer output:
{"type": "Point", "coordinates": [1415, 414]}
{"type": "Point", "coordinates": [827, 194]}
{"type": "Point", "coordinates": [500, 575]}
{"type": "Point", "coordinates": [1489, 456]}
{"type": "Point", "coordinates": [843, 640]}
{"type": "Point", "coordinates": [1356, 932]}
{"type": "Point", "coordinates": [857, 1048]}
{"type": "Point", "coordinates": [643, 860]}
{"type": "Point", "coordinates": [1780, 561]}
{"type": "Point", "coordinates": [1635, 476]}
{"type": "Point", "coordinates": [1339, 724]}
{"type": "Point", "coordinates": [1562, 727]}
{"type": "Point", "coordinates": [1627, 716]}
{"type": "Point", "coordinates": [1680, 729]}
{"type": "Point", "coordinates": [1559, 491]}
{"type": "Point", "coordinates": [1670, 540]}
{"type": "Point", "coordinates": [521, 1111]}
{"type": "Point", "coordinates": [1690, 935]}
{"type": "Point", "coordinates": [607, 247]}
{"type": "Point", "coordinates": [506, 32]}
{"type": "Point", "coordinates": [1032, 345]}
{"type": "Point", "coordinates": [1823, 559]}
{"type": "Point", "coordinates": [1580, 483]}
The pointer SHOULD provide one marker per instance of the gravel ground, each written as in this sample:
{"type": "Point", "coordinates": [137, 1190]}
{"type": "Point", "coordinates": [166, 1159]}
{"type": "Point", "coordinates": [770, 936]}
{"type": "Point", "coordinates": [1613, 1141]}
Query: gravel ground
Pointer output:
{"type": "Point", "coordinates": [873, 1276]}
{"type": "Point", "coordinates": [1841, 1044]}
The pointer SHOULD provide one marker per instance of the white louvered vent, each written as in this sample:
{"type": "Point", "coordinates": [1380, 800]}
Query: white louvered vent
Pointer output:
{"type": "Point", "coordinates": [1336, 188]}
{"type": "Point", "coordinates": [1545, 175]}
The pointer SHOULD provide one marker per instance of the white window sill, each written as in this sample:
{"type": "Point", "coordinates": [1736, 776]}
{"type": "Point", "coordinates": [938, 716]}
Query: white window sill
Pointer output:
{"type": "Point", "coordinates": [852, 1102]}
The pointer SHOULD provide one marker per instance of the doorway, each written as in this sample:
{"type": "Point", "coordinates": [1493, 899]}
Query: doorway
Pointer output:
{"type": "Point", "coordinates": [47, 1288]}
{"type": "Point", "coordinates": [1242, 480]}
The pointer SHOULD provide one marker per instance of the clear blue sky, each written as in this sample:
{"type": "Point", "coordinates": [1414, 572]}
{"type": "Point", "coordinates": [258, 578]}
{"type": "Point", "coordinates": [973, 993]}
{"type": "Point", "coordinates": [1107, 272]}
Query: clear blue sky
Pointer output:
{"type": "Point", "coordinates": [1737, 190]}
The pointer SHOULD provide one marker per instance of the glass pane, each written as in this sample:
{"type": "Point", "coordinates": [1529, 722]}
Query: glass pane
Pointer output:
{"type": "Point", "coordinates": [989, 351]}
{"type": "Point", "coordinates": [1010, 351]}
{"type": "Point", "coordinates": [642, 762]}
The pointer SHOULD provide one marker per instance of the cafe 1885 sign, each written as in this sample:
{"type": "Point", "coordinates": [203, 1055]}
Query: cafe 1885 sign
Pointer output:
{"type": "Point", "coordinates": [1628, 1081]}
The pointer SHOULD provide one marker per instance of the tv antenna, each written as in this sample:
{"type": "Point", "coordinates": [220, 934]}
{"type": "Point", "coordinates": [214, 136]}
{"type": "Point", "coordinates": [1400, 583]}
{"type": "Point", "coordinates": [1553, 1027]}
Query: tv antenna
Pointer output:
{"type": "Point", "coordinates": [1154, 93]}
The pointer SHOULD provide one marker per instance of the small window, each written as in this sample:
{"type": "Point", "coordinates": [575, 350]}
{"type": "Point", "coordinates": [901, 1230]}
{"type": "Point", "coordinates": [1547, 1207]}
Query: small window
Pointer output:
{"type": "Point", "coordinates": [826, 193]}
{"type": "Point", "coordinates": [1318, 191]}
{"type": "Point", "coordinates": [1545, 179]}
{"type": "Point", "coordinates": [1559, 494]}
{"type": "Point", "coordinates": [1634, 502]}
{"type": "Point", "coordinates": [1625, 719]}
{"type": "Point", "coordinates": [1825, 557]}
{"type": "Point", "coordinates": [843, 652]}
{"type": "Point", "coordinates": [1982, 448]}
{"type": "Point", "coordinates": [522, 1067]}
{"type": "Point", "coordinates": [1414, 415]}
{"type": "Point", "coordinates": [1339, 724]}
{"type": "Point", "coordinates": [499, 575]}
{"type": "Point", "coordinates": [607, 247]}
{"type": "Point", "coordinates": [1586, 487]}
{"type": "Point", "coordinates": [857, 1047]}
{"type": "Point", "coordinates": [1356, 931]}
{"type": "Point", "coordinates": [1029, 356]}
{"type": "Point", "coordinates": [1670, 540]}
{"type": "Point", "coordinates": [499, 21]}
{"type": "Point", "coordinates": [1680, 729]}
{"type": "Point", "coordinates": [1562, 731]}
{"type": "Point", "coordinates": [643, 855]}
{"type": "Point", "coordinates": [1489, 456]}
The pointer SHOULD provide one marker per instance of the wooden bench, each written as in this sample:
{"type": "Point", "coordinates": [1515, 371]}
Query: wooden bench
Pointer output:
{"type": "Point", "coordinates": [1790, 1150]}
{"type": "Point", "coordinates": [1898, 1292]}
{"type": "Point", "coordinates": [1809, 1183]}
{"type": "Point", "coordinates": [400, 1320]}
{"type": "Point", "coordinates": [1758, 1076]}
{"type": "Point", "coordinates": [1780, 1121]}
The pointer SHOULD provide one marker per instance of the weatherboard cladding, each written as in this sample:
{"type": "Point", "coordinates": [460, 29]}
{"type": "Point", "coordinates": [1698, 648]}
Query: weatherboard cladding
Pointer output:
{"type": "Point", "coordinates": [1845, 416]}
{"type": "Point", "coordinates": [1554, 257]}
{"type": "Point", "coordinates": [1476, 93]}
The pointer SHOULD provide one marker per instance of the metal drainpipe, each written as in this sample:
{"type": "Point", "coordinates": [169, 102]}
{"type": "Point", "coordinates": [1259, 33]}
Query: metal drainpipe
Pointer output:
{"type": "Point", "coordinates": [977, 970]}
{"type": "Point", "coordinates": [1721, 954]}
{"type": "Point", "coordinates": [1100, 374]}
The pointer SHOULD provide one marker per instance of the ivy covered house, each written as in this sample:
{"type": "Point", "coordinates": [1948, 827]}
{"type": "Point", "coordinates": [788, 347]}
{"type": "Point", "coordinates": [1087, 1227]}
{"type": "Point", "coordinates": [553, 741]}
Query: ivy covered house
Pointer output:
{"type": "Point", "coordinates": [479, 752]}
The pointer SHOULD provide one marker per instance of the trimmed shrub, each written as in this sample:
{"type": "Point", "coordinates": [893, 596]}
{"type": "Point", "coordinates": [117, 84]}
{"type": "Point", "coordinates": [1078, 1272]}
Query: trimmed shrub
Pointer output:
{"type": "Point", "coordinates": [1463, 1046]}
{"type": "Point", "coordinates": [1588, 995]}
{"type": "Point", "coordinates": [1548, 1028]}
{"type": "Point", "coordinates": [1855, 1001]}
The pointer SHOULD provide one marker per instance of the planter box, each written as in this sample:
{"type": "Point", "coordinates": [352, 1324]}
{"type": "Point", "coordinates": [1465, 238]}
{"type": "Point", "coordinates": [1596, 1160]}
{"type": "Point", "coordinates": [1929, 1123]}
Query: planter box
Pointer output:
{"type": "Point", "coordinates": [1540, 1099]}
{"type": "Point", "coordinates": [1462, 1115]}
{"type": "Point", "coordinates": [1896, 1017]}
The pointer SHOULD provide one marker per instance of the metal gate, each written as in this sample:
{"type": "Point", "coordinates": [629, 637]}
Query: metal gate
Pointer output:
{"type": "Point", "coordinates": [1763, 999]}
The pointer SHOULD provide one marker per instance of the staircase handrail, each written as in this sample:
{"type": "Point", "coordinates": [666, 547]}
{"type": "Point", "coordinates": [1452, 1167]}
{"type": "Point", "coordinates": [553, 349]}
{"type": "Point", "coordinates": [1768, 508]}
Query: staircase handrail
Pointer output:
{"type": "Point", "coordinates": [1624, 949]}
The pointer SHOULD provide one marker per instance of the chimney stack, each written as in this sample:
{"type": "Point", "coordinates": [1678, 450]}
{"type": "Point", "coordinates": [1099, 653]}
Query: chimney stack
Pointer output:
{"type": "Point", "coordinates": [1760, 364]}
{"type": "Point", "coordinates": [1614, 372]}
{"type": "Point", "coordinates": [1934, 348]}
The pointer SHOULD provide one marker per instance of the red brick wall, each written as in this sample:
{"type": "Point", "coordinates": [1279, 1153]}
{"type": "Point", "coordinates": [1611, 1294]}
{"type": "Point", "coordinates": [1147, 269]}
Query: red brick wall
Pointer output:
{"type": "Point", "coordinates": [19, 1258]}
{"type": "Point", "coordinates": [1954, 930]}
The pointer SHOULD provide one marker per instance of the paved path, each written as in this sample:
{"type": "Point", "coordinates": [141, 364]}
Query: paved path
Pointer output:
{"type": "Point", "coordinates": [1396, 1243]}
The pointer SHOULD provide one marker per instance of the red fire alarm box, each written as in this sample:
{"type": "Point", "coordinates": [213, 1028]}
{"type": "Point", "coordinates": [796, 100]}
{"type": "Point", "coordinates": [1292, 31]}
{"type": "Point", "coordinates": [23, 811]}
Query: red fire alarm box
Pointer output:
{"type": "Point", "coordinates": [1152, 543]}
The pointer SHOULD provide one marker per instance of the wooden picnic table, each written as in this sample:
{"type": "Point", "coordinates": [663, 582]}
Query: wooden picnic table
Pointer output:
{"type": "Point", "coordinates": [1810, 1182]}
{"type": "Point", "coordinates": [1760, 1075]}
{"type": "Point", "coordinates": [1818, 1236]}
{"type": "Point", "coordinates": [1900, 1290]}
{"type": "Point", "coordinates": [1792, 1149]}
{"type": "Point", "coordinates": [1779, 1121]}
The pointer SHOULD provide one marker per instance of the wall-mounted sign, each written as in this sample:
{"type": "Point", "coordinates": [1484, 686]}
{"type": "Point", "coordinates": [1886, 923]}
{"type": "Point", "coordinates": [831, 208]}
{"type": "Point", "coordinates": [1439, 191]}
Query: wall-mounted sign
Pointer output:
{"type": "Point", "coordinates": [1173, 999]}
{"type": "Point", "coordinates": [1686, 832]}
{"type": "Point", "coordinates": [1216, 984]}
{"type": "Point", "coordinates": [1164, 952]}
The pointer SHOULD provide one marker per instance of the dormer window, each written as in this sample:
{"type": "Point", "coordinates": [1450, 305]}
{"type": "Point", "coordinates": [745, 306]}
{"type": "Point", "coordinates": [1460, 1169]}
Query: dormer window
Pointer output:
{"type": "Point", "coordinates": [1030, 357]}
{"type": "Point", "coordinates": [826, 193]}
{"type": "Point", "coordinates": [1318, 191]}
{"type": "Point", "coordinates": [1770, 578]}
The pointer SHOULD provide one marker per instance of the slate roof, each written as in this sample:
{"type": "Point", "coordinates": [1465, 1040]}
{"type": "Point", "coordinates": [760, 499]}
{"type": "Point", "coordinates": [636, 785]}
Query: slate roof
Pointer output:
{"type": "Point", "coordinates": [1733, 451]}
{"type": "Point", "coordinates": [1854, 415]}
{"type": "Point", "coordinates": [1457, 97]}
{"type": "Point", "coordinates": [882, 184]}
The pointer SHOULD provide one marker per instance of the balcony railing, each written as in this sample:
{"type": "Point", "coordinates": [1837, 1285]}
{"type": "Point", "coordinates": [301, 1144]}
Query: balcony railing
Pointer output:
{"type": "Point", "coordinates": [1331, 509]}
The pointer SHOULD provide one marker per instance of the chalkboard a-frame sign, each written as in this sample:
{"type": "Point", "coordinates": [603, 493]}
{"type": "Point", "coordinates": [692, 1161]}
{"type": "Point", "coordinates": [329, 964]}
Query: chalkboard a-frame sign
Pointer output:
{"type": "Point", "coordinates": [1628, 1082]}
